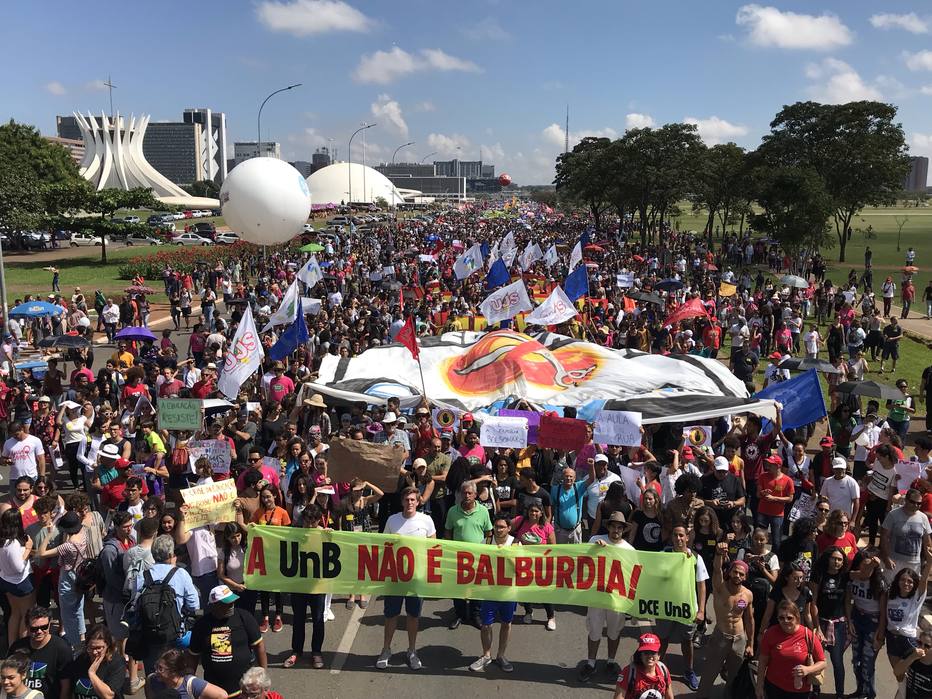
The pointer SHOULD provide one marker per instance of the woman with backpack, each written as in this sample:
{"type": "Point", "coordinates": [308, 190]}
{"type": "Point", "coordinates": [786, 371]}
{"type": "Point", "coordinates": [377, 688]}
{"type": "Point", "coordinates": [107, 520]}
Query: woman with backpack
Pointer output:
{"type": "Point", "coordinates": [645, 672]}
{"type": "Point", "coordinates": [72, 553]}
{"type": "Point", "coordinates": [172, 679]}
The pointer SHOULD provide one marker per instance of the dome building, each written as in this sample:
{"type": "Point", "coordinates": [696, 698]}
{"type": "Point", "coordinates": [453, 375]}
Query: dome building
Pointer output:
{"type": "Point", "coordinates": [331, 185]}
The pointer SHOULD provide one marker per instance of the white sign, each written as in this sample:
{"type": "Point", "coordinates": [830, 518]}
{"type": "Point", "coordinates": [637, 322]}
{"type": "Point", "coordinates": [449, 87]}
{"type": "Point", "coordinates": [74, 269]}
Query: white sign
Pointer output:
{"type": "Point", "coordinates": [908, 471]}
{"type": "Point", "coordinates": [624, 280]}
{"type": "Point", "coordinates": [216, 452]}
{"type": "Point", "coordinates": [504, 432]}
{"type": "Point", "coordinates": [618, 427]}
{"type": "Point", "coordinates": [630, 477]}
{"type": "Point", "coordinates": [335, 299]}
{"type": "Point", "coordinates": [697, 436]}
{"type": "Point", "coordinates": [309, 306]}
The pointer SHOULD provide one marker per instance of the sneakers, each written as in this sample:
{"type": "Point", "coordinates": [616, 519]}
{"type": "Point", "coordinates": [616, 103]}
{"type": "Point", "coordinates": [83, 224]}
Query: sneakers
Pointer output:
{"type": "Point", "coordinates": [529, 617]}
{"type": "Point", "coordinates": [504, 664]}
{"type": "Point", "coordinates": [691, 680]}
{"type": "Point", "coordinates": [455, 624]}
{"type": "Point", "coordinates": [612, 669]}
{"type": "Point", "coordinates": [384, 657]}
{"type": "Point", "coordinates": [481, 663]}
{"type": "Point", "coordinates": [551, 624]}
{"type": "Point", "coordinates": [278, 625]}
{"type": "Point", "coordinates": [586, 671]}
{"type": "Point", "coordinates": [264, 626]}
{"type": "Point", "coordinates": [414, 662]}
{"type": "Point", "coordinates": [329, 615]}
{"type": "Point", "coordinates": [138, 684]}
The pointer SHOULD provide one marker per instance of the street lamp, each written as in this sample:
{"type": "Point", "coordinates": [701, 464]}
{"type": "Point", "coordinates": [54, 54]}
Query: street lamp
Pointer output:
{"type": "Point", "coordinates": [403, 145]}
{"type": "Point", "coordinates": [427, 156]}
{"type": "Point", "coordinates": [349, 158]}
{"type": "Point", "coordinates": [259, 117]}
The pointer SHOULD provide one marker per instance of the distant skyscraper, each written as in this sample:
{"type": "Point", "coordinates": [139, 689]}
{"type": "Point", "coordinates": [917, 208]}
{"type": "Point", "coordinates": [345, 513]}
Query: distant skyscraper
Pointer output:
{"type": "Point", "coordinates": [470, 169]}
{"type": "Point", "coordinates": [245, 150]}
{"type": "Point", "coordinates": [302, 166]}
{"type": "Point", "coordinates": [917, 178]}
{"type": "Point", "coordinates": [321, 158]}
{"type": "Point", "coordinates": [212, 142]}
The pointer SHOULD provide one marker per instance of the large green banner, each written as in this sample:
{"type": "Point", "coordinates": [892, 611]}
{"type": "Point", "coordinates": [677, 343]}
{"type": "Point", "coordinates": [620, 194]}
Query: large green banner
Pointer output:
{"type": "Point", "coordinates": [640, 583]}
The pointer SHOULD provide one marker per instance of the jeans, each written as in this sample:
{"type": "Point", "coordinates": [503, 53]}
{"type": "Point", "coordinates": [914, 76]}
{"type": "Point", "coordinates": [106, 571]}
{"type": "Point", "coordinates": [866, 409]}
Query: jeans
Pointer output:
{"type": "Point", "coordinates": [300, 602]}
{"type": "Point", "coordinates": [837, 652]}
{"type": "Point", "coordinates": [775, 524]}
{"type": "Point", "coordinates": [863, 655]}
{"type": "Point", "coordinates": [71, 601]}
{"type": "Point", "coordinates": [208, 311]}
{"type": "Point", "coordinates": [111, 331]}
{"type": "Point", "coordinates": [900, 426]}
{"type": "Point", "coordinates": [204, 584]}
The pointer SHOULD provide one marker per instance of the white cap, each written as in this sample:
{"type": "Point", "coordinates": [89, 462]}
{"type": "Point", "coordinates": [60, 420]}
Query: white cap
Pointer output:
{"type": "Point", "coordinates": [389, 418]}
{"type": "Point", "coordinates": [839, 462]}
{"type": "Point", "coordinates": [601, 458]}
{"type": "Point", "coordinates": [721, 463]}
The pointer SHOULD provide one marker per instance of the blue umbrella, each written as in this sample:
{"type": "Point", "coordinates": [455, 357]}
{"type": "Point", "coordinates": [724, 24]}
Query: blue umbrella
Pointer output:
{"type": "Point", "coordinates": [37, 309]}
{"type": "Point", "coordinates": [135, 333]}
{"type": "Point", "coordinates": [32, 364]}
{"type": "Point", "coordinates": [669, 285]}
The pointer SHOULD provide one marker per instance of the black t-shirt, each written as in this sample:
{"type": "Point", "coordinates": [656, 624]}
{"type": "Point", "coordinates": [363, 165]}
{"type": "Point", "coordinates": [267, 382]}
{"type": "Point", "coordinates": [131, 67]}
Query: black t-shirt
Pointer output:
{"type": "Point", "coordinates": [831, 601]}
{"type": "Point", "coordinates": [919, 681]}
{"type": "Point", "coordinates": [541, 497]}
{"type": "Point", "coordinates": [47, 665]}
{"type": "Point", "coordinates": [111, 673]}
{"type": "Point", "coordinates": [729, 488]}
{"type": "Point", "coordinates": [805, 597]}
{"type": "Point", "coordinates": [506, 489]}
{"type": "Point", "coordinates": [225, 647]}
{"type": "Point", "coordinates": [648, 536]}
{"type": "Point", "coordinates": [893, 333]}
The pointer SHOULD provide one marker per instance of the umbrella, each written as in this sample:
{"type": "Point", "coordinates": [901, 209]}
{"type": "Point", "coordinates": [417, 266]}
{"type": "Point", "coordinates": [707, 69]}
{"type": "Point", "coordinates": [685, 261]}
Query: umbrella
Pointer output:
{"type": "Point", "coordinates": [593, 248]}
{"type": "Point", "coordinates": [645, 297]}
{"type": "Point", "coordinates": [871, 389]}
{"type": "Point", "coordinates": [134, 333]}
{"type": "Point", "coordinates": [910, 269]}
{"type": "Point", "coordinates": [311, 247]}
{"type": "Point", "coordinates": [65, 341]}
{"type": "Point", "coordinates": [136, 289]}
{"type": "Point", "coordinates": [32, 364]}
{"type": "Point", "coordinates": [711, 268]}
{"type": "Point", "coordinates": [805, 363]}
{"type": "Point", "coordinates": [37, 309]}
{"type": "Point", "coordinates": [669, 285]}
{"type": "Point", "coordinates": [637, 258]}
{"type": "Point", "coordinates": [792, 280]}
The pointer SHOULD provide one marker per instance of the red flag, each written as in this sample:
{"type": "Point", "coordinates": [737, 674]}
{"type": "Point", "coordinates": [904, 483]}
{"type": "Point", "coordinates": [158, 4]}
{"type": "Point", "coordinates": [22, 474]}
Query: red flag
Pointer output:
{"type": "Point", "coordinates": [408, 337]}
{"type": "Point", "coordinates": [691, 309]}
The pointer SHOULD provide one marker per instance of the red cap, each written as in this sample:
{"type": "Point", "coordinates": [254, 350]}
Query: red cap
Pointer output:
{"type": "Point", "coordinates": [774, 355]}
{"type": "Point", "coordinates": [467, 417]}
{"type": "Point", "coordinates": [826, 442]}
{"type": "Point", "coordinates": [122, 463]}
{"type": "Point", "coordinates": [648, 642]}
{"type": "Point", "coordinates": [775, 460]}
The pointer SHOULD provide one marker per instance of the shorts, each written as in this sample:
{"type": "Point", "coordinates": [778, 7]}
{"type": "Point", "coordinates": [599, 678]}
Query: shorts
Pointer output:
{"type": "Point", "coordinates": [673, 631]}
{"type": "Point", "coordinates": [900, 646]}
{"type": "Point", "coordinates": [891, 350]}
{"type": "Point", "coordinates": [393, 604]}
{"type": "Point", "coordinates": [186, 311]}
{"type": "Point", "coordinates": [20, 589]}
{"type": "Point", "coordinates": [597, 619]}
{"type": "Point", "coordinates": [488, 611]}
{"type": "Point", "coordinates": [113, 613]}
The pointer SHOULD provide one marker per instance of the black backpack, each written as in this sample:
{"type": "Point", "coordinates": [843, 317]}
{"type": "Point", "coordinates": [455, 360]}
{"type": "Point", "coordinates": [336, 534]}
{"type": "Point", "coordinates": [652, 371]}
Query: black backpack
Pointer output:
{"type": "Point", "coordinates": [157, 611]}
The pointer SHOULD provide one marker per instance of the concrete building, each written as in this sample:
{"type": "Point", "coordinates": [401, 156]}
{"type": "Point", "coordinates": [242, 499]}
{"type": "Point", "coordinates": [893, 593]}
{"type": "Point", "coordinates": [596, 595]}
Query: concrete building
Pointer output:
{"type": "Point", "coordinates": [74, 146]}
{"type": "Point", "coordinates": [173, 148]}
{"type": "Point", "coordinates": [470, 169]}
{"type": "Point", "coordinates": [332, 185]}
{"type": "Point", "coordinates": [212, 142]}
{"type": "Point", "coordinates": [406, 170]}
{"type": "Point", "coordinates": [433, 187]}
{"type": "Point", "coordinates": [321, 158]}
{"type": "Point", "coordinates": [250, 149]}
{"type": "Point", "coordinates": [303, 166]}
{"type": "Point", "coordinates": [918, 176]}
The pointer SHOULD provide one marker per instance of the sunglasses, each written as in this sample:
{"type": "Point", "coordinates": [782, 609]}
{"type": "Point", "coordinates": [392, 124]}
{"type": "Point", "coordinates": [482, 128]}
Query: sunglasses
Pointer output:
{"type": "Point", "coordinates": [824, 509]}
{"type": "Point", "coordinates": [917, 503]}
{"type": "Point", "coordinates": [252, 461]}
{"type": "Point", "coordinates": [40, 628]}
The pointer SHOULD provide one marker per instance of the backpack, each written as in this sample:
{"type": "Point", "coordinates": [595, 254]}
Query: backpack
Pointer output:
{"type": "Point", "coordinates": [132, 572]}
{"type": "Point", "coordinates": [633, 673]}
{"type": "Point", "coordinates": [157, 612]}
{"type": "Point", "coordinates": [89, 574]}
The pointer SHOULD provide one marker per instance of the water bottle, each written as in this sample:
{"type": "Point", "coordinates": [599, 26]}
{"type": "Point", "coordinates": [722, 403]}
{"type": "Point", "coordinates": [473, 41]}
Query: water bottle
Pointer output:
{"type": "Point", "coordinates": [797, 679]}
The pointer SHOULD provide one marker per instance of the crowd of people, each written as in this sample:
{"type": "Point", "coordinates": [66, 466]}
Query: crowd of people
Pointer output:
{"type": "Point", "coordinates": [806, 541]}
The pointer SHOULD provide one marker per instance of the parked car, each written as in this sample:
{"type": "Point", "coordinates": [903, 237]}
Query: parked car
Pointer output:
{"type": "Point", "coordinates": [130, 219]}
{"type": "Point", "coordinates": [143, 239]}
{"type": "Point", "coordinates": [187, 214]}
{"type": "Point", "coordinates": [81, 239]}
{"type": "Point", "coordinates": [308, 228]}
{"type": "Point", "coordinates": [190, 239]}
{"type": "Point", "coordinates": [216, 212]}
{"type": "Point", "coordinates": [226, 238]}
{"type": "Point", "coordinates": [178, 216]}
{"type": "Point", "coordinates": [154, 220]}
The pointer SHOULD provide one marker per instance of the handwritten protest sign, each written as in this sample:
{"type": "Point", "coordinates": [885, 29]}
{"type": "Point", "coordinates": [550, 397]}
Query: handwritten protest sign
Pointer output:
{"type": "Point", "coordinates": [504, 432]}
{"type": "Point", "coordinates": [215, 451]}
{"type": "Point", "coordinates": [380, 464]}
{"type": "Point", "coordinates": [210, 503]}
{"type": "Point", "coordinates": [908, 471]}
{"type": "Point", "coordinates": [618, 427]}
{"type": "Point", "coordinates": [697, 436]}
{"type": "Point", "coordinates": [533, 421]}
{"type": "Point", "coordinates": [803, 507]}
{"type": "Point", "coordinates": [564, 433]}
{"type": "Point", "coordinates": [179, 414]}
{"type": "Point", "coordinates": [624, 280]}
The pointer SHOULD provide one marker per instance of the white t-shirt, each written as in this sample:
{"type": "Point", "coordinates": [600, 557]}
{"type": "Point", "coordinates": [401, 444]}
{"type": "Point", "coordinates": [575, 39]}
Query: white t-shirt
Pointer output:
{"type": "Point", "coordinates": [903, 614]}
{"type": "Point", "coordinates": [595, 493]}
{"type": "Point", "coordinates": [811, 339]}
{"type": "Point", "coordinates": [418, 524]}
{"type": "Point", "coordinates": [882, 481]}
{"type": "Point", "coordinates": [73, 430]}
{"type": "Point", "coordinates": [608, 542]}
{"type": "Point", "coordinates": [841, 493]}
{"type": "Point", "coordinates": [24, 455]}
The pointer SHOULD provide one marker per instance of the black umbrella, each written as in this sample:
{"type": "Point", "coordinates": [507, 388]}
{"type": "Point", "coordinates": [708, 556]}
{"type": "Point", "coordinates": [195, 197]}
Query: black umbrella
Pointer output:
{"type": "Point", "coordinates": [65, 342]}
{"type": "Point", "coordinates": [645, 297]}
{"type": "Point", "coordinates": [806, 363]}
{"type": "Point", "coordinates": [871, 389]}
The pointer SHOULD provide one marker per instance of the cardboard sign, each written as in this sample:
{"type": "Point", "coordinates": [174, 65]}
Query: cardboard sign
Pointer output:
{"type": "Point", "coordinates": [507, 432]}
{"type": "Point", "coordinates": [804, 507]}
{"type": "Point", "coordinates": [210, 503]}
{"type": "Point", "coordinates": [215, 451]}
{"type": "Point", "coordinates": [619, 427]}
{"type": "Point", "coordinates": [908, 471]}
{"type": "Point", "coordinates": [380, 464]}
{"type": "Point", "coordinates": [533, 422]}
{"type": "Point", "coordinates": [697, 436]}
{"type": "Point", "coordinates": [564, 433]}
{"type": "Point", "coordinates": [179, 414]}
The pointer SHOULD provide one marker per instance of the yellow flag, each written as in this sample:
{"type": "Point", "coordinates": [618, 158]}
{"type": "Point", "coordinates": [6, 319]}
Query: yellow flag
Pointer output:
{"type": "Point", "coordinates": [725, 289]}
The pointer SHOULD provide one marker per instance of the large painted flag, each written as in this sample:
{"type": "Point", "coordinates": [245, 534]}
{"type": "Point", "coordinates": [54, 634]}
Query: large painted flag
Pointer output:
{"type": "Point", "coordinates": [244, 357]}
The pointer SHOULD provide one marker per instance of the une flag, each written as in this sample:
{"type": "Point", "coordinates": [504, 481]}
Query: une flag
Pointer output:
{"type": "Point", "coordinates": [577, 283]}
{"type": "Point", "coordinates": [294, 336]}
{"type": "Point", "coordinates": [532, 253]}
{"type": "Point", "coordinates": [556, 309]}
{"type": "Point", "coordinates": [498, 275]}
{"type": "Point", "coordinates": [468, 262]}
{"type": "Point", "coordinates": [287, 309]}
{"type": "Point", "coordinates": [801, 398]}
{"type": "Point", "coordinates": [243, 358]}
{"type": "Point", "coordinates": [551, 257]}
{"type": "Point", "coordinates": [408, 337]}
{"type": "Point", "coordinates": [576, 256]}
{"type": "Point", "coordinates": [506, 303]}
{"type": "Point", "coordinates": [494, 254]}
{"type": "Point", "coordinates": [310, 273]}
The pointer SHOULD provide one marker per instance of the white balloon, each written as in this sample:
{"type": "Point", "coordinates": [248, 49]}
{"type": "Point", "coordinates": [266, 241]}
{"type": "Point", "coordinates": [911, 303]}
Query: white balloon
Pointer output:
{"type": "Point", "coordinates": [265, 200]}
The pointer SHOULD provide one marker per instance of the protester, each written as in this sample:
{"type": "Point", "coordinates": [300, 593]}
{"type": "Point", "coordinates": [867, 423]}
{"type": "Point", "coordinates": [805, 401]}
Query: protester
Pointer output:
{"type": "Point", "coordinates": [790, 656]}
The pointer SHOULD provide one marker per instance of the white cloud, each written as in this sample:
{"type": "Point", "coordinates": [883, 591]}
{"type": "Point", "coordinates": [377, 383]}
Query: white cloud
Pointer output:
{"type": "Point", "coordinates": [487, 29]}
{"type": "Point", "coordinates": [555, 135]}
{"type": "Point", "coordinates": [837, 83]}
{"type": "Point", "coordinates": [383, 67]}
{"type": "Point", "coordinates": [921, 60]}
{"type": "Point", "coordinates": [425, 106]}
{"type": "Point", "coordinates": [715, 130]}
{"type": "Point", "coordinates": [639, 121]}
{"type": "Point", "coordinates": [926, 89]}
{"type": "Point", "coordinates": [768, 26]}
{"type": "Point", "coordinates": [910, 22]}
{"type": "Point", "coordinates": [96, 85]}
{"type": "Point", "coordinates": [920, 144]}
{"type": "Point", "coordinates": [308, 137]}
{"type": "Point", "coordinates": [309, 17]}
{"type": "Point", "coordinates": [55, 88]}
{"type": "Point", "coordinates": [447, 145]}
{"type": "Point", "coordinates": [388, 110]}
{"type": "Point", "coordinates": [494, 153]}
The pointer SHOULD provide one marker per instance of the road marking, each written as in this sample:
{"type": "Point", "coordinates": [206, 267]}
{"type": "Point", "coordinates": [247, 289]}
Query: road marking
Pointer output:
{"type": "Point", "coordinates": [346, 643]}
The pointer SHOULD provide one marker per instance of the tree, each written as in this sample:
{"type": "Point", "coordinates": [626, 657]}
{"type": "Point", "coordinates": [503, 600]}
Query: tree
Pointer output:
{"type": "Point", "coordinates": [203, 188]}
{"type": "Point", "coordinates": [856, 148]}
{"type": "Point", "coordinates": [584, 175]}
{"type": "Point", "coordinates": [900, 222]}
{"type": "Point", "coordinates": [721, 184]}
{"type": "Point", "coordinates": [106, 203]}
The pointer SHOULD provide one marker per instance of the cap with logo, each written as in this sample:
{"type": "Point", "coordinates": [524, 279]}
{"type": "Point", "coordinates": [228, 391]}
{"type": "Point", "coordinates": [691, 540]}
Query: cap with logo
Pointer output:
{"type": "Point", "coordinates": [222, 594]}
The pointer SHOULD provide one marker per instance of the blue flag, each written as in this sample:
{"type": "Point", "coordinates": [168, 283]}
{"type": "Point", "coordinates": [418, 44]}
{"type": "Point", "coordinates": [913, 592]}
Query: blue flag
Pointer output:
{"type": "Point", "coordinates": [584, 238]}
{"type": "Point", "coordinates": [801, 398]}
{"type": "Point", "coordinates": [484, 247]}
{"type": "Point", "coordinates": [576, 285]}
{"type": "Point", "coordinates": [294, 336]}
{"type": "Point", "coordinates": [498, 275]}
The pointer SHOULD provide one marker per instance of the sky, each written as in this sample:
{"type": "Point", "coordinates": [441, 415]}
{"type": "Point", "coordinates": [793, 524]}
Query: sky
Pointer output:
{"type": "Point", "coordinates": [465, 79]}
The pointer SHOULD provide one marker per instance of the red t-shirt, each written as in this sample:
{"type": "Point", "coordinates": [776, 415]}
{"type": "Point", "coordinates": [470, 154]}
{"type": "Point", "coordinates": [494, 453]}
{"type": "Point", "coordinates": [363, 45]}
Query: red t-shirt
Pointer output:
{"type": "Point", "coordinates": [279, 387]}
{"type": "Point", "coordinates": [140, 389]}
{"type": "Point", "coordinates": [847, 543]}
{"type": "Point", "coordinates": [170, 389]}
{"type": "Point", "coordinates": [112, 494]}
{"type": "Point", "coordinates": [780, 485]}
{"type": "Point", "coordinates": [642, 682]}
{"type": "Point", "coordinates": [753, 452]}
{"type": "Point", "coordinates": [786, 652]}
